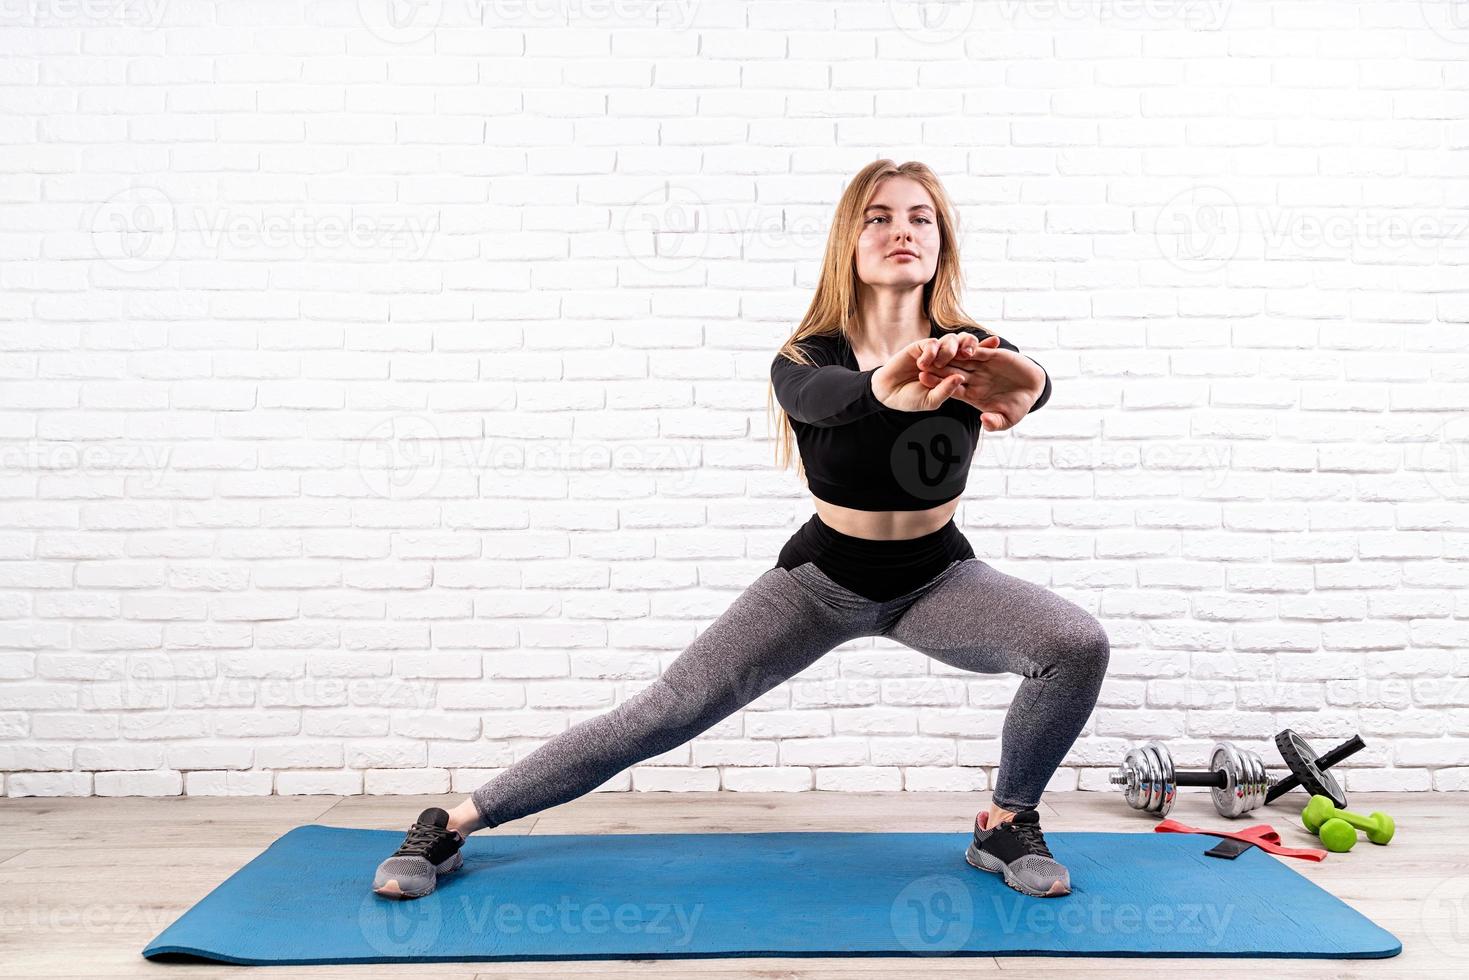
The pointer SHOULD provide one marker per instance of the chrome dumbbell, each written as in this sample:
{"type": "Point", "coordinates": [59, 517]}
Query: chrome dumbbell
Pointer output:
{"type": "Point", "coordinates": [1236, 779]}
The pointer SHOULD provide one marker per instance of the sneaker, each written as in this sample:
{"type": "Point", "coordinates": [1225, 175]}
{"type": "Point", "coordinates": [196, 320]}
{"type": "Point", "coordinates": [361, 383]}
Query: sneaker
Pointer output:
{"type": "Point", "coordinates": [429, 850]}
{"type": "Point", "coordinates": [1017, 851]}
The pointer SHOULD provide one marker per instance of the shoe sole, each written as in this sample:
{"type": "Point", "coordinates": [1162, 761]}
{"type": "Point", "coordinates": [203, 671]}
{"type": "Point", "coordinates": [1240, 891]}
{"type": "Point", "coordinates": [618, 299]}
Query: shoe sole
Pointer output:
{"type": "Point", "coordinates": [390, 889]}
{"type": "Point", "coordinates": [985, 861]}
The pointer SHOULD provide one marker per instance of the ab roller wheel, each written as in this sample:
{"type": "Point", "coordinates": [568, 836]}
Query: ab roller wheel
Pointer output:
{"type": "Point", "coordinates": [1309, 772]}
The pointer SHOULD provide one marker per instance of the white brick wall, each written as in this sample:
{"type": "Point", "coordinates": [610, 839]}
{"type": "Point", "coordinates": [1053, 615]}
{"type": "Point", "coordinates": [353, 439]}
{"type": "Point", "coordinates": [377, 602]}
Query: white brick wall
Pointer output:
{"type": "Point", "coordinates": [381, 395]}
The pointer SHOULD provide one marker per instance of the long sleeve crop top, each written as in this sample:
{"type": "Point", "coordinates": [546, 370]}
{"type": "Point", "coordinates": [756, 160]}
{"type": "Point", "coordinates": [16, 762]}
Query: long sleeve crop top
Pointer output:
{"type": "Point", "coordinates": [859, 453]}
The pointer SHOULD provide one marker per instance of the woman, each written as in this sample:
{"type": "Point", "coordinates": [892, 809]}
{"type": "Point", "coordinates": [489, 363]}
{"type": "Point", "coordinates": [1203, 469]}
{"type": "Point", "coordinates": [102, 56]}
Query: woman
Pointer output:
{"type": "Point", "coordinates": [886, 385]}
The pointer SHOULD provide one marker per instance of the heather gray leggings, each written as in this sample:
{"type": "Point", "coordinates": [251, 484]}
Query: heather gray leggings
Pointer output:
{"type": "Point", "coordinates": [969, 616]}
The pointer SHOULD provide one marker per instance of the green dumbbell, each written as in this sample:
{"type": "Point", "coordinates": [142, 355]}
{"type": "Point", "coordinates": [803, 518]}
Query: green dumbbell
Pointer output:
{"type": "Point", "coordinates": [1337, 835]}
{"type": "Point", "coordinates": [1320, 811]}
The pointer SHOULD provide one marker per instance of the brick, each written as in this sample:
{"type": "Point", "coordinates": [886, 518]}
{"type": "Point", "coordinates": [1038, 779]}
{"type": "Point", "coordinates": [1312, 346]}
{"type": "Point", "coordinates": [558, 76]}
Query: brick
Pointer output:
{"type": "Point", "coordinates": [156, 782]}
{"type": "Point", "coordinates": [320, 783]}
{"type": "Point", "coordinates": [48, 784]}
{"type": "Point", "coordinates": [405, 781]}
{"type": "Point", "coordinates": [227, 783]}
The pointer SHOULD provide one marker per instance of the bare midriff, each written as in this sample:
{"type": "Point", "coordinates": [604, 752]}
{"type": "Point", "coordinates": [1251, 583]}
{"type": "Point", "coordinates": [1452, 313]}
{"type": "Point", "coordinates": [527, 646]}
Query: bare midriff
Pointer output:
{"type": "Point", "coordinates": [885, 525]}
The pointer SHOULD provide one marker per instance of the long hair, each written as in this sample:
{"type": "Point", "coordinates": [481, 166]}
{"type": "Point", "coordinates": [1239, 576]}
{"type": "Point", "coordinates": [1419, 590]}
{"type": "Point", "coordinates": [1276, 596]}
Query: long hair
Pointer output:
{"type": "Point", "coordinates": [833, 310]}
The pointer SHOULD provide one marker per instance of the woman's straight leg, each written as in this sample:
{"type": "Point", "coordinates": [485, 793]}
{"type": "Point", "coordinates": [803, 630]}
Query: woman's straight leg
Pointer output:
{"type": "Point", "coordinates": [980, 619]}
{"type": "Point", "coordinates": [773, 630]}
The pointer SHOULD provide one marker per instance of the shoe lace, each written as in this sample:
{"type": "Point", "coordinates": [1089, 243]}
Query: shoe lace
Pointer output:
{"type": "Point", "coordinates": [421, 837]}
{"type": "Point", "coordinates": [1030, 835]}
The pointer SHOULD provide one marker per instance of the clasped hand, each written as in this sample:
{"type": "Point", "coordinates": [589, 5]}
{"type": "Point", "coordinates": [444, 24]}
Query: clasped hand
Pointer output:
{"type": "Point", "coordinates": [1001, 384]}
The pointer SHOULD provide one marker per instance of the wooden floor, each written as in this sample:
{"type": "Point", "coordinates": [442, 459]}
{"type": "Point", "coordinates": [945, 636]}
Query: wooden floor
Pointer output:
{"type": "Point", "coordinates": [86, 883]}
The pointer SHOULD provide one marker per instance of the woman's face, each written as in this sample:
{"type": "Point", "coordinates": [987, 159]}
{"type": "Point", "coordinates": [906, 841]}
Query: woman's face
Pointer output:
{"type": "Point", "coordinates": [899, 219]}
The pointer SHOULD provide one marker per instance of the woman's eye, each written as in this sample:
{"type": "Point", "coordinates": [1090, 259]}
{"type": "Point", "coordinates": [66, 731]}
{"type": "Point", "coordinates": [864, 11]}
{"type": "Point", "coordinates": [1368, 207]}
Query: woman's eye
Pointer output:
{"type": "Point", "coordinates": [880, 217]}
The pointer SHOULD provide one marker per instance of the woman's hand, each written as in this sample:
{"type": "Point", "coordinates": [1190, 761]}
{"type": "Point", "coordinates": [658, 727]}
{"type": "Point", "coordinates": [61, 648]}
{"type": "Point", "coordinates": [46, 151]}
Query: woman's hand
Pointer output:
{"type": "Point", "coordinates": [899, 383]}
{"type": "Point", "coordinates": [1001, 384]}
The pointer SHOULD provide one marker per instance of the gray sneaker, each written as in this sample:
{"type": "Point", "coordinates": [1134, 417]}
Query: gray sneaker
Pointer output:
{"type": "Point", "coordinates": [1016, 850]}
{"type": "Point", "coordinates": [429, 850]}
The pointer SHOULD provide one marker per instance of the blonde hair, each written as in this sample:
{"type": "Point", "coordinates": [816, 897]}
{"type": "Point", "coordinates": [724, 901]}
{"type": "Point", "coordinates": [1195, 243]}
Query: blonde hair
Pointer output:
{"type": "Point", "coordinates": [833, 310]}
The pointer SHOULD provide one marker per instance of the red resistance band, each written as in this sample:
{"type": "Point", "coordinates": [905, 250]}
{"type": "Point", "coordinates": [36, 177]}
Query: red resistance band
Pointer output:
{"type": "Point", "coordinates": [1262, 835]}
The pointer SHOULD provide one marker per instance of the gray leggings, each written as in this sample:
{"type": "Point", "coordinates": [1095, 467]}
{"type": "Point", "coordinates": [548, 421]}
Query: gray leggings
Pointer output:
{"type": "Point", "coordinates": [969, 616]}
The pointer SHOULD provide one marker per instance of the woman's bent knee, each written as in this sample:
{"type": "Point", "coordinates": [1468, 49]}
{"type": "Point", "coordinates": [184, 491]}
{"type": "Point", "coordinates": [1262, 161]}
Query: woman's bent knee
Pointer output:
{"type": "Point", "coordinates": [1080, 651]}
{"type": "Point", "coordinates": [1091, 650]}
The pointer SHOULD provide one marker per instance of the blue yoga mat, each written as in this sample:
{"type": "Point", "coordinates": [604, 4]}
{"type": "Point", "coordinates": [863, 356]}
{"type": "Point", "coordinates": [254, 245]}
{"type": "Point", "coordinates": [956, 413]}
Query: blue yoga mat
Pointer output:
{"type": "Point", "coordinates": [306, 900]}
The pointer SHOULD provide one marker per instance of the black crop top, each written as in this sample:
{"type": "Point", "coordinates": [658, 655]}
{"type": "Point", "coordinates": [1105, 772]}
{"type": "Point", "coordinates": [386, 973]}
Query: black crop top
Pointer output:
{"type": "Point", "coordinates": [859, 453]}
